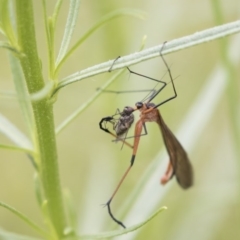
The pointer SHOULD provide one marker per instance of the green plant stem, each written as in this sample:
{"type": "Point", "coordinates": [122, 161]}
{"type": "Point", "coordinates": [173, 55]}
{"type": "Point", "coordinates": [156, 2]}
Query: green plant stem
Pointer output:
{"type": "Point", "coordinates": [45, 142]}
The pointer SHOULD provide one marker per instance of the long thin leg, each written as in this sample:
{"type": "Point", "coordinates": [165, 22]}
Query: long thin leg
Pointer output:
{"type": "Point", "coordinates": [168, 174]}
{"type": "Point", "coordinates": [153, 95]}
{"type": "Point", "coordinates": [123, 139]}
{"type": "Point", "coordinates": [138, 130]}
{"type": "Point", "coordinates": [114, 193]}
{"type": "Point", "coordinates": [159, 81]}
{"type": "Point", "coordinates": [110, 69]}
{"type": "Point", "coordinates": [127, 91]}
{"type": "Point", "coordinates": [153, 79]}
{"type": "Point", "coordinates": [174, 89]}
{"type": "Point", "coordinates": [141, 75]}
{"type": "Point", "coordinates": [142, 134]}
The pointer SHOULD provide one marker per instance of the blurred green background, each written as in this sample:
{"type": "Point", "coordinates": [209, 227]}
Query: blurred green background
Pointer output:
{"type": "Point", "coordinates": [91, 165]}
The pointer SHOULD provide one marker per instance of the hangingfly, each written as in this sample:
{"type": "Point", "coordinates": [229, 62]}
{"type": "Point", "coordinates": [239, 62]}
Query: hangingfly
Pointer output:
{"type": "Point", "coordinates": [179, 164]}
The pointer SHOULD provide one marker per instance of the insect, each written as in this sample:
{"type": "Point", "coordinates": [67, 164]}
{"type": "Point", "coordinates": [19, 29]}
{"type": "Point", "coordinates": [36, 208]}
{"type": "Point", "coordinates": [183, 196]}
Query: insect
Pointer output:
{"type": "Point", "coordinates": [179, 164]}
{"type": "Point", "coordinates": [120, 125]}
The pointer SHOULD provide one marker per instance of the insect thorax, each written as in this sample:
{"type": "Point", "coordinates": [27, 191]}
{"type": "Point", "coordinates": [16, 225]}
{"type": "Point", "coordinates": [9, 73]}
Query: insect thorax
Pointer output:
{"type": "Point", "coordinates": [123, 124]}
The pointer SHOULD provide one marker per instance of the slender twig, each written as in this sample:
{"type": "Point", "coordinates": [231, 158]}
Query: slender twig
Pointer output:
{"type": "Point", "coordinates": [171, 46]}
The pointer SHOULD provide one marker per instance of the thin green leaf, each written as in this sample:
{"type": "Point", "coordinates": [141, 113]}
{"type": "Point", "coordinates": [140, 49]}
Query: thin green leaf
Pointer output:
{"type": "Point", "coordinates": [13, 133]}
{"type": "Point", "coordinates": [8, 94]}
{"type": "Point", "coordinates": [1, 29]}
{"type": "Point", "coordinates": [122, 231]}
{"type": "Point", "coordinates": [70, 25]}
{"type": "Point", "coordinates": [38, 189]}
{"type": "Point", "coordinates": [47, 219]}
{"type": "Point", "coordinates": [27, 220]}
{"type": "Point", "coordinates": [45, 15]}
{"type": "Point", "coordinates": [108, 17]}
{"type": "Point", "coordinates": [144, 39]}
{"type": "Point", "coordinates": [2, 32]}
{"type": "Point", "coordinates": [7, 46]}
{"type": "Point", "coordinates": [4, 235]}
{"type": "Point", "coordinates": [23, 95]}
{"type": "Point", "coordinates": [171, 46]}
{"type": "Point", "coordinates": [78, 111]}
{"type": "Point", "coordinates": [14, 148]}
{"type": "Point", "coordinates": [47, 30]}
{"type": "Point", "coordinates": [56, 13]}
{"type": "Point", "coordinates": [6, 23]}
{"type": "Point", "coordinates": [50, 37]}
{"type": "Point", "coordinates": [71, 211]}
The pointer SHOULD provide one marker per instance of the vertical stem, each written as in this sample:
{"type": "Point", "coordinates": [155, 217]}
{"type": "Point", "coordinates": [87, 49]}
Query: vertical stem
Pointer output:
{"type": "Point", "coordinates": [45, 142]}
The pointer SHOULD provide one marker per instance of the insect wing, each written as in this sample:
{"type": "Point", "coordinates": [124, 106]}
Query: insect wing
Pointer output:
{"type": "Point", "coordinates": [182, 167]}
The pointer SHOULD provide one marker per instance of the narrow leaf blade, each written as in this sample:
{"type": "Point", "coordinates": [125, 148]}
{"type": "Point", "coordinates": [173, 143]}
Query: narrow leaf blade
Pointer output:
{"type": "Point", "coordinates": [70, 25]}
